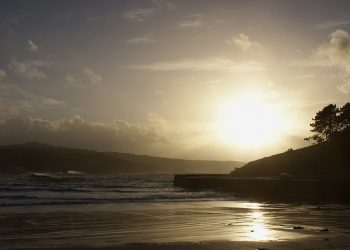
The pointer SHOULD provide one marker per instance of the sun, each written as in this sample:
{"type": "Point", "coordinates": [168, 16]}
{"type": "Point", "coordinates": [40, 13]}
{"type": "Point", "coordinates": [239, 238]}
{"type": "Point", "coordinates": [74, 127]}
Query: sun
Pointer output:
{"type": "Point", "coordinates": [250, 122]}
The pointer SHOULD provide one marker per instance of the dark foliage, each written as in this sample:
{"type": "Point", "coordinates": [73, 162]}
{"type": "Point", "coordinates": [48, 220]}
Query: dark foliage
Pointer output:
{"type": "Point", "coordinates": [329, 121]}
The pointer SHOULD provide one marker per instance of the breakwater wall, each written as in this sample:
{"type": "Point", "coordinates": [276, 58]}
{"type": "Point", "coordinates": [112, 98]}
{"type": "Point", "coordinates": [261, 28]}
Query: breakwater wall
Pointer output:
{"type": "Point", "coordinates": [269, 188]}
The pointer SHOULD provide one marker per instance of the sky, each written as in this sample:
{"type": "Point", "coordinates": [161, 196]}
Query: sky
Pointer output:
{"type": "Point", "coordinates": [223, 80]}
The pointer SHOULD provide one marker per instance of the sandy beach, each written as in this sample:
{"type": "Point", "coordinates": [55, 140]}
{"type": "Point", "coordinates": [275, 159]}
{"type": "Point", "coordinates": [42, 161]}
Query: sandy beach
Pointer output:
{"type": "Point", "coordinates": [286, 245]}
{"type": "Point", "coordinates": [176, 225]}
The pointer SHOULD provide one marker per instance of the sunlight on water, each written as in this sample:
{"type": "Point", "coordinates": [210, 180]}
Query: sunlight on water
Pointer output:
{"type": "Point", "coordinates": [259, 230]}
{"type": "Point", "coordinates": [256, 225]}
{"type": "Point", "coordinates": [252, 205]}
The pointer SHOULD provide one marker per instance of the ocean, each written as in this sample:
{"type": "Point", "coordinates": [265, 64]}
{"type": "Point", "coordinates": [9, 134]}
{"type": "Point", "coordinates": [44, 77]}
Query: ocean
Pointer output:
{"type": "Point", "coordinates": [78, 188]}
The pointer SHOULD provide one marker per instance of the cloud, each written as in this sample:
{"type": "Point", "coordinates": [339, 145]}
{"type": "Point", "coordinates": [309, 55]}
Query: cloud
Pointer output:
{"type": "Point", "coordinates": [42, 63]}
{"type": "Point", "coordinates": [15, 100]}
{"type": "Point", "coordinates": [85, 79]}
{"type": "Point", "coordinates": [243, 42]}
{"type": "Point", "coordinates": [345, 88]}
{"type": "Point", "coordinates": [2, 74]}
{"type": "Point", "coordinates": [192, 21]}
{"type": "Point", "coordinates": [77, 132]}
{"type": "Point", "coordinates": [100, 19]}
{"type": "Point", "coordinates": [70, 79]}
{"type": "Point", "coordinates": [74, 132]}
{"type": "Point", "coordinates": [10, 21]}
{"type": "Point", "coordinates": [337, 51]}
{"type": "Point", "coordinates": [210, 82]}
{"type": "Point", "coordinates": [146, 39]}
{"type": "Point", "coordinates": [141, 14]}
{"type": "Point", "coordinates": [32, 46]}
{"type": "Point", "coordinates": [156, 135]}
{"type": "Point", "coordinates": [344, 79]}
{"type": "Point", "coordinates": [92, 76]}
{"type": "Point", "coordinates": [305, 76]}
{"type": "Point", "coordinates": [207, 64]}
{"type": "Point", "coordinates": [27, 69]}
{"type": "Point", "coordinates": [332, 24]}
{"type": "Point", "coordinates": [163, 4]}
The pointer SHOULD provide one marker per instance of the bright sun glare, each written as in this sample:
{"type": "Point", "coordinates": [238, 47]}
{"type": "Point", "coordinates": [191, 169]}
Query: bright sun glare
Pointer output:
{"type": "Point", "coordinates": [250, 121]}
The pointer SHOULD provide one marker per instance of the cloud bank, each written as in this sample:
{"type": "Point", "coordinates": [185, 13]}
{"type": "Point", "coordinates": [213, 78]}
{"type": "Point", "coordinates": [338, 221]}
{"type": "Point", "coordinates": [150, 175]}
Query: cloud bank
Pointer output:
{"type": "Point", "coordinates": [207, 64]}
{"type": "Point", "coordinates": [157, 136]}
{"type": "Point", "coordinates": [151, 137]}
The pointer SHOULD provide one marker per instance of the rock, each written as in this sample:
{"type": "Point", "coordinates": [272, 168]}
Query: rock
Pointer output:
{"type": "Point", "coordinates": [297, 227]}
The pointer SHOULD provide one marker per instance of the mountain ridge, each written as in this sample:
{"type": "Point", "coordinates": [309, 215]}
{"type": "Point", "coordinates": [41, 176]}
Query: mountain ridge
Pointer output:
{"type": "Point", "coordinates": [39, 157]}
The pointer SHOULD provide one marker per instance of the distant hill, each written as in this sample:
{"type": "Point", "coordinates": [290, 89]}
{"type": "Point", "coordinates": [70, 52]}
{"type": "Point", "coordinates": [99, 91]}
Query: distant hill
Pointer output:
{"type": "Point", "coordinates": [179, 165]}
{"type": "Point", "coordinates": [329, 159]}
{"type": "Point", "coordinates": [39, 157]}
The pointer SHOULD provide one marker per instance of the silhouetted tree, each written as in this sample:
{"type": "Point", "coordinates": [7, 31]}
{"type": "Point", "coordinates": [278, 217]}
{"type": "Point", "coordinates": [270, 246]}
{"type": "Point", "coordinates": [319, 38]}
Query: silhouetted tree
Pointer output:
{"type": "Point", "coordinates": [329, 121]}
{"type": "Point", "coordinates": [344, 116]}
{"type": "Point", "coordinates": [325, 123]}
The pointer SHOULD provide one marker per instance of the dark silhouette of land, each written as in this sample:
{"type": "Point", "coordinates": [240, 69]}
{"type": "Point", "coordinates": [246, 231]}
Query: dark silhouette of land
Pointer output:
{"type": "Point", "coordinates": [329, 159]}
{"type": "Point", "coordinates": [319, 172]}
{"type": "Point", "coordinates": [39, 157]}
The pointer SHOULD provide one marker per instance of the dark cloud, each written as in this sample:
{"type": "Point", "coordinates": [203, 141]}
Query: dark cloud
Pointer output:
{"type": "Point", "coordinates": [77, 132]}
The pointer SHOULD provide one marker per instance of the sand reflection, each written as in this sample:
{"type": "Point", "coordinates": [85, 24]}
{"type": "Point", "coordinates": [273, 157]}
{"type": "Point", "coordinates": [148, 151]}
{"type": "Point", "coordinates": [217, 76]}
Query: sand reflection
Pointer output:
{"type": "Point", "coordinates": [259, 230]}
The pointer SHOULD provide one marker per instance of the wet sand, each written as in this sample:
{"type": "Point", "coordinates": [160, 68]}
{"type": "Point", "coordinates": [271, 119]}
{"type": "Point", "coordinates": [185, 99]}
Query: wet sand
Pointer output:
{"type": "Point", "coordinates": [176, 225]}
{"type": "Point", "coordinates": [311, 244]}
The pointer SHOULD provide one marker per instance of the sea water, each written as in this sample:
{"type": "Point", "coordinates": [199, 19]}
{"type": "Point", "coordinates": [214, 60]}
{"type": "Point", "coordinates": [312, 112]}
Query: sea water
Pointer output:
{"type": "Point", "coordinates": [78, 188]}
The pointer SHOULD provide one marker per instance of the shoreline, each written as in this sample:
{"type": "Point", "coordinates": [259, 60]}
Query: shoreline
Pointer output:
{"type": "Point", "coordinates": [300, 244]}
